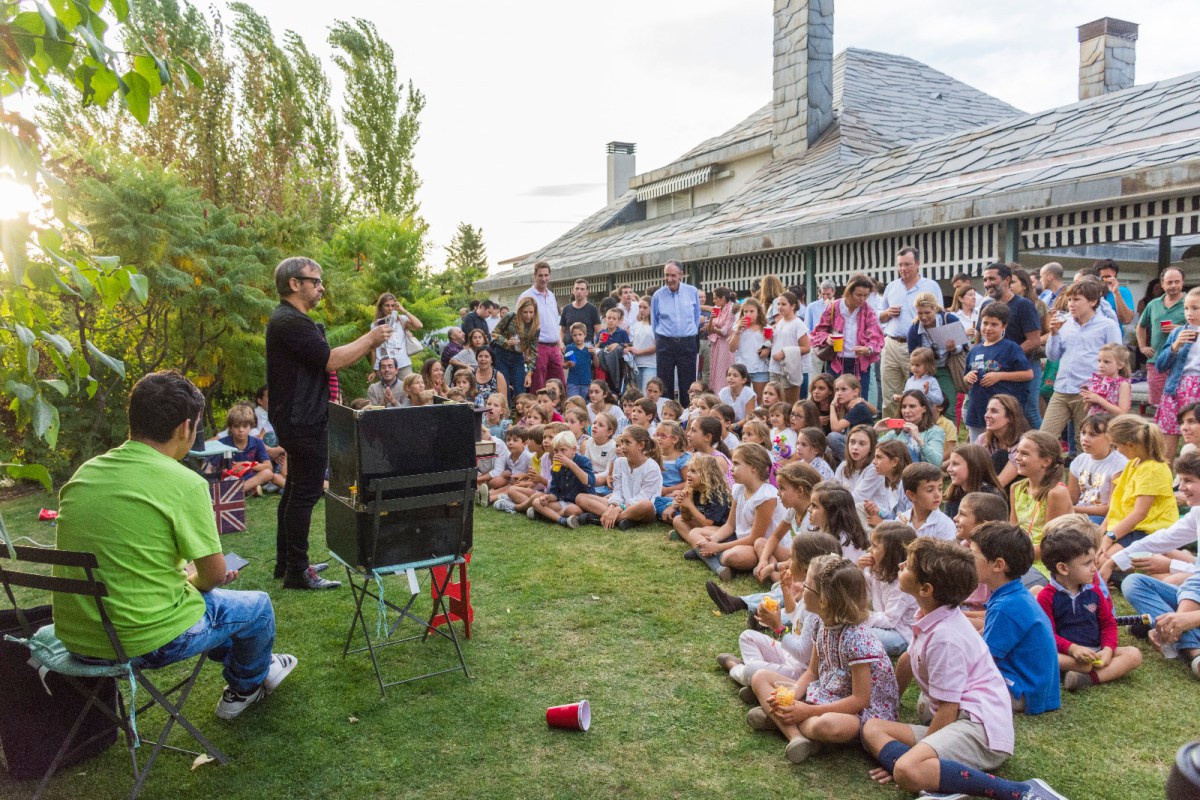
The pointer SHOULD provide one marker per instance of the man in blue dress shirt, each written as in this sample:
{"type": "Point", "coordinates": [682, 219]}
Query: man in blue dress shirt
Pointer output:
{"type": "Point", "coordinates": [675, 318]}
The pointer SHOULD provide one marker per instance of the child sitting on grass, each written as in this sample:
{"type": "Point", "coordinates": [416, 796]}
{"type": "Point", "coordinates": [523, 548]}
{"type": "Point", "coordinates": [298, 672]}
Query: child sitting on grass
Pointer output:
{"type": "Point", "coordinates": [923, 488]}
{"type": "Point", "coordinates": [510, 465]}
{"type": "Point", "coordinates": [675, 459]}
{"type": "Point", "coordinates": [795, 483]}
{"type": "Point", "coordinates": [601, 450]}
{"type": "Point", "coordinates": [1090, 479]}
{"type": "Point", "coordinates": [704, 500]}
{"type": "Point", "coordinates": [1143, 498]}
{"type": "Point", "coordinates": [893, 611]}
{"type": "Point", "coordinates": [1014, 629]}
{"type": "Point", "coordinates": [832, 511]}
{"type": "Point", "coordinates": [570, 476]}
{"type": "Point", "coordinates": [754, 514]}
{"type": "Point", "coordinates": [1085, 629]}
{"type": "Point", "coordinates": [811, 448]}
{"type": "Point", "coordinates": [967, 728]}
{"type": "Point", "coordinates": [522, 487]}
{"type": "Point", "coordinates": [788, 651]}
{"type": "Point", "coordinates": [636, 481]}
{"type": "Point", "coordinates": [849, 679]}
{"type": "Point", "coordinates": [251, 458]}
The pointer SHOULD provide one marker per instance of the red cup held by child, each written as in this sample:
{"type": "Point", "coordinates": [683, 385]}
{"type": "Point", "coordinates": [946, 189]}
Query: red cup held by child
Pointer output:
{"type": "Point", "coordinates": [1166, 325]}
{"type": "Point", "coordinates": [768, 333]}
{"type": "Point", "coordinates": [573, 716]}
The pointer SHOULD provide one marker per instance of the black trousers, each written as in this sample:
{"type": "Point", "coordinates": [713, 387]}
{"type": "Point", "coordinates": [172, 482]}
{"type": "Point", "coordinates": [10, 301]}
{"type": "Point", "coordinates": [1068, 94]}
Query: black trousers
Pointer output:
{"type": "Point", "coordinates": [676, 353]}
{"type": "Point", "coordinates": [307, 458]}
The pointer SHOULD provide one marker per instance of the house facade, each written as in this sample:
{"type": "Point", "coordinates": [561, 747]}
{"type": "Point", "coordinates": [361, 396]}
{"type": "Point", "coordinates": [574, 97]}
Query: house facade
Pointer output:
{"type": "Point", "coordinates": [861, 153]}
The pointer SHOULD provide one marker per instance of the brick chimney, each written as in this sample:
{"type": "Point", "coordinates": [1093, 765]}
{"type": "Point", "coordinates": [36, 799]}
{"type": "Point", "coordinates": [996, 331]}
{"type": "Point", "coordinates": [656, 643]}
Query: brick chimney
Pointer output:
{"type": "Point", "coordinates": [803, 100]}
{"type": "Point", "coordinates": [1106, 56]}
{"type": "Point", "coordinates": [620, 167]}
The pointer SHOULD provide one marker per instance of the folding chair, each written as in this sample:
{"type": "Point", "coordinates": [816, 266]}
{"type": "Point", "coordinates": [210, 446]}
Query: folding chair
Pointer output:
{"type": "Point", "coordinates": [52, 655]}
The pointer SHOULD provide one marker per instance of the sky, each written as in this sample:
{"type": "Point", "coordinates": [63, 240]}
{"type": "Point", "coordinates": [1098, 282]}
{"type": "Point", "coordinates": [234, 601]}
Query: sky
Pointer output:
{"type": "Point", "coordinates": [523, 95]}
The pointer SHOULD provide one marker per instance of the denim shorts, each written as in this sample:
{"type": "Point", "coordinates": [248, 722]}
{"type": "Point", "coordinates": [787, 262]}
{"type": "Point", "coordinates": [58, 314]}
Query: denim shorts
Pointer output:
{"type": "Point", "coordinates": [760, 377]}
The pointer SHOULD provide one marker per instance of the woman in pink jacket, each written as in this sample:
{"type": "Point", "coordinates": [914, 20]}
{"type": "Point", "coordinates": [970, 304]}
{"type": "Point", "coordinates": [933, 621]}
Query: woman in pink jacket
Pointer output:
{"type": "Point", "coordinates": [853, 318]}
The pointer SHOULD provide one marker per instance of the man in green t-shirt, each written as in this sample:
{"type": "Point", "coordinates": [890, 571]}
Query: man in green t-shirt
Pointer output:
{"type": "Point", "coordinates": [1159, 318]}
{"type": "Point", "coordinates": [145, 516]}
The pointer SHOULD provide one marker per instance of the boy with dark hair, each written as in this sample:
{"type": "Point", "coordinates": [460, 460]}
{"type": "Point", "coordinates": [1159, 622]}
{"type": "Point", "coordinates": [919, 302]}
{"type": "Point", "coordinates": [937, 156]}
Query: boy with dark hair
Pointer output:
{"type": "Point", "coordinates": [1085, 629]}
{"type": "Point", "coordinates": [1016, 633]}
{"type": "Point", "coordinates": [969, 730]}
{"type": "Point", "coordinates": [922, 484]}
{"type": "Point", "coordinates": [997, 365]}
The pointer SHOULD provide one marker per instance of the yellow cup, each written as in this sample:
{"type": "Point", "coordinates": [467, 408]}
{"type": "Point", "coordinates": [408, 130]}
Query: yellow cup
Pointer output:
{"type": "Point", "coordinates": [836, 339]}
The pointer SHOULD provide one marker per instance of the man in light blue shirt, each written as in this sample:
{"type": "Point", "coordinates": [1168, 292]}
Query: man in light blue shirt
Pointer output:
{"type": "Point", "coordinates": [896, 318]}
{"type": "Point", "coordinates": [675, 318]}
{"type": "Point", "coordinates": [1087, 330]}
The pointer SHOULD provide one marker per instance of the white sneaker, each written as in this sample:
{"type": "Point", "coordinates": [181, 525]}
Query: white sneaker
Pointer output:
{"type": "Point", "coordinates": [282, 665]}
{"type": "Point", "coordinates": [504, 504]}
{"type": "Point", "coordinates": [232, 703]}
{"type": "Point", "coordinates": [529, 512]}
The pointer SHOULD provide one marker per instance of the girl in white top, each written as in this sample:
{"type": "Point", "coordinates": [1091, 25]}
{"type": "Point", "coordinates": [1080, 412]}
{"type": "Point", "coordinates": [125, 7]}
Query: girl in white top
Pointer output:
{"type": "Point", "coordinates": [601, 449]}
{"type": "Point", "coordinates": [636, 481]}
{"type": "Point", "coordinates": [747, 343]}
{"type": "Point", "coordinates": [643, 347]}
{"type": "Point", "coordinates": [600, 398]}
{"type": "Point", "coordinates": [857, 473]}
{"type": "Point", "coordinates": [796, 482]}
{"type": "Point", "coordinates": [737, 394]}
{"type": "Point", "coordinates": [755, 513]}
{"type": "Point", "coordinates": [832, 511]}
{"type": "Point", "coordinates": [397, 345]}
{"type": "Point", "coordinates": [789, 331]}
{"type": "Point", "coordinates": [888, 498]}
{"type": "Point", "coordinates": [893, 611]}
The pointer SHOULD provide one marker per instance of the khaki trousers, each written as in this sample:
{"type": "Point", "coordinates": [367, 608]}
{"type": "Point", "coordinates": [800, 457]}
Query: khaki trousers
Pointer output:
{"type": "Point", "coordinates": [1061, 409]}
{"type": "Point", "coordinates": [895, 374]}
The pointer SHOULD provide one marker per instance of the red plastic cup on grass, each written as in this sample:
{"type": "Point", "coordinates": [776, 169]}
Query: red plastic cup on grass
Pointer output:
{"type": "Point", "coordinates": [47, 515]}
{"type": "Point", "coordinates": [573, 716]}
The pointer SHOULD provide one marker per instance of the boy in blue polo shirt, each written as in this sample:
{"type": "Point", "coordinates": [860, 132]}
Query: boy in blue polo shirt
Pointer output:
{"type": "Point", "coordinates": [996, 365]}
{"type": "Point", "coordinates": [579, 358]}
{"type": "Point", "coordinates": [1015, 629]}
{"type": "Point", "coordinates": [251, 458]}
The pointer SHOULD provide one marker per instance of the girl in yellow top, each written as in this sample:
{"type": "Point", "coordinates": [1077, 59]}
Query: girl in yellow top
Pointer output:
{"type": "Point", "coordinates": [1143, 500]}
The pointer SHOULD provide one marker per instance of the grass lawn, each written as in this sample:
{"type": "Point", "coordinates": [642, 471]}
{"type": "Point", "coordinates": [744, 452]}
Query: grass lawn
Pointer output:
{"type": "Point", "coordinates": [618, 618]}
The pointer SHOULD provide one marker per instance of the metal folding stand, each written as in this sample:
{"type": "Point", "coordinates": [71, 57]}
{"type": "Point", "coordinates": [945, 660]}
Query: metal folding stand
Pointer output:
{"type": "Point", "coordinates": [368, 582]}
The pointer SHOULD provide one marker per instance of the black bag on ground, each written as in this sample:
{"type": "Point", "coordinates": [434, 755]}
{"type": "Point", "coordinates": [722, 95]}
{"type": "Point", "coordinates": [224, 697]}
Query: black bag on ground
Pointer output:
{"type": "Point", "coordinates": [34, 722]}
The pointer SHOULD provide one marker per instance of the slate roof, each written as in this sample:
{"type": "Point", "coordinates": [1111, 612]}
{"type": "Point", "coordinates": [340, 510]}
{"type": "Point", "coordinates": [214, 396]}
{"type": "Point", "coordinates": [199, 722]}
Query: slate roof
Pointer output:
{"type": "Point", "coordinates": [907, 140]}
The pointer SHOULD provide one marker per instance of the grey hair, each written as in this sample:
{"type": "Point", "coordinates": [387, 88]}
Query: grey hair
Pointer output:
{"type": "Point", "coordinates": [828, 284]}
{"type": "Point", "coordinates": [290, 268]}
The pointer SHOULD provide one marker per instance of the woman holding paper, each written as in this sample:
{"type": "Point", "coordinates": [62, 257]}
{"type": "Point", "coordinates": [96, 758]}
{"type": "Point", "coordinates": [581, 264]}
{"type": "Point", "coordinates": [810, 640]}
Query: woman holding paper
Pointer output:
{"type": "Point", "coordinates": [941, 332]}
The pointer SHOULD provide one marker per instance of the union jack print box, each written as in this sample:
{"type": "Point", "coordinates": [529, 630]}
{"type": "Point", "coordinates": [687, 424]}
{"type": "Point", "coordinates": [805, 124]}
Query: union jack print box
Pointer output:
{"type": "Point", "coordinates": [229, 504]}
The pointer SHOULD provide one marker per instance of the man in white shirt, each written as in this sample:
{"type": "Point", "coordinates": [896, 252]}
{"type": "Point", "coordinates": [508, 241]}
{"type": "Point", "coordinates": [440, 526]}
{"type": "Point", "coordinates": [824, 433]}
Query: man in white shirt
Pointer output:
{"type": "Point", "coordinates": [549, 358]}
{"type": "Point", "coordinates": [896, 318]}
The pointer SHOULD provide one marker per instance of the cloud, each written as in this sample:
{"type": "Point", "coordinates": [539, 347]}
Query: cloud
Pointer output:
{"type": "Point", "coordinates": [562, 189]}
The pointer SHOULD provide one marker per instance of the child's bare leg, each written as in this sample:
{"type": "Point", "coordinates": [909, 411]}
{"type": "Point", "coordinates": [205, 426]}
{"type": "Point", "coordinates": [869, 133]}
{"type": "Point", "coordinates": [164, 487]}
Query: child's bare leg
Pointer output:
{"type": "Point", "coordinates": [831, 728]}
{"type": "Point", "coordinates": [904, 673]}
{"type": "Point", "coordinates": [527, 503]}
{"type": "Point", "coordinates": [519, 494]}
{"type": "Point", "coordinates": [697, 536]}
{"type": "Point", "coordinates": [1124, 661]}
{"type": "Point", "coordinates": [256, 480]}
{"type": "Point", "coordinates": [741, 557]}
{"type": "Point", "coordinates": [592, 503]}
{"type": "Point", "coordinates": [680, 525]}
{"type": "Point", "coordinates": [278, 479]}
{"type": "Point", "coordinates": [641, 511]}
{"type": "Point", "coordinates": [544, 506]}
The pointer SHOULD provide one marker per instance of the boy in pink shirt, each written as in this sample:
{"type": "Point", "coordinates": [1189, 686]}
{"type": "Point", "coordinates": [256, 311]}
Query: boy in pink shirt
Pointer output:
{"type": "Point", "coordinates": [970, 729]}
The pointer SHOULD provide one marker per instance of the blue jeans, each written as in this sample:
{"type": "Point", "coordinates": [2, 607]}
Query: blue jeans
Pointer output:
{"type": "Point", "coordinates": [512, 366]}
{"type": "Point", "coordinates": [1151, 596]}
{"type": "Point", "coordinates": [1032, 410]}
{"type": "Point", "coordinates": [238, 629]}
{"type": "Point", "coordinates": [891, 640]}
{"type": "Point", "coordinates": [644, 376]}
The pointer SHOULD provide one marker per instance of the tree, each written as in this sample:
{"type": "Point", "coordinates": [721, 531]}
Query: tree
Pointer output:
{"type": "Point", "coordinates": [466, 263]}
{"type": "Point", "coordinates": [63, 43]}
{"type": "Point", "coordinates": [382, 175]}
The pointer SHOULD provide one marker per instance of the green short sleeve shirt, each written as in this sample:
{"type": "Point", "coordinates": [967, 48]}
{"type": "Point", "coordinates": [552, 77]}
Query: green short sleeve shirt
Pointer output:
{"type": "Point", "coordinates": [145, 516]}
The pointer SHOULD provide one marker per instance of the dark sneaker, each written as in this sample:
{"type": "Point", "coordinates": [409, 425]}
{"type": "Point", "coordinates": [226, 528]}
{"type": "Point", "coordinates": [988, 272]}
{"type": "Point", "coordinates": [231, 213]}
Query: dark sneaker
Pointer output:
{"type": "Point", "coordinates": [625, 524]}
{"type": "Point", "coordinates": [281, 569]}
{"type": "Point", "coordinates": [588, 518]}
{"type": "Point", "coordinates": [691, 555]}
{"type": "Point", "coordinates": [1040, 790]}
{"type": "Point", "coordinates": [282, 665]}
{"type": "Point", "coordinates": [233, 703]}
{"type": "Point", "coordinates": [726, 602]}
{"type": "Point", "coordinates": [309, 579]}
